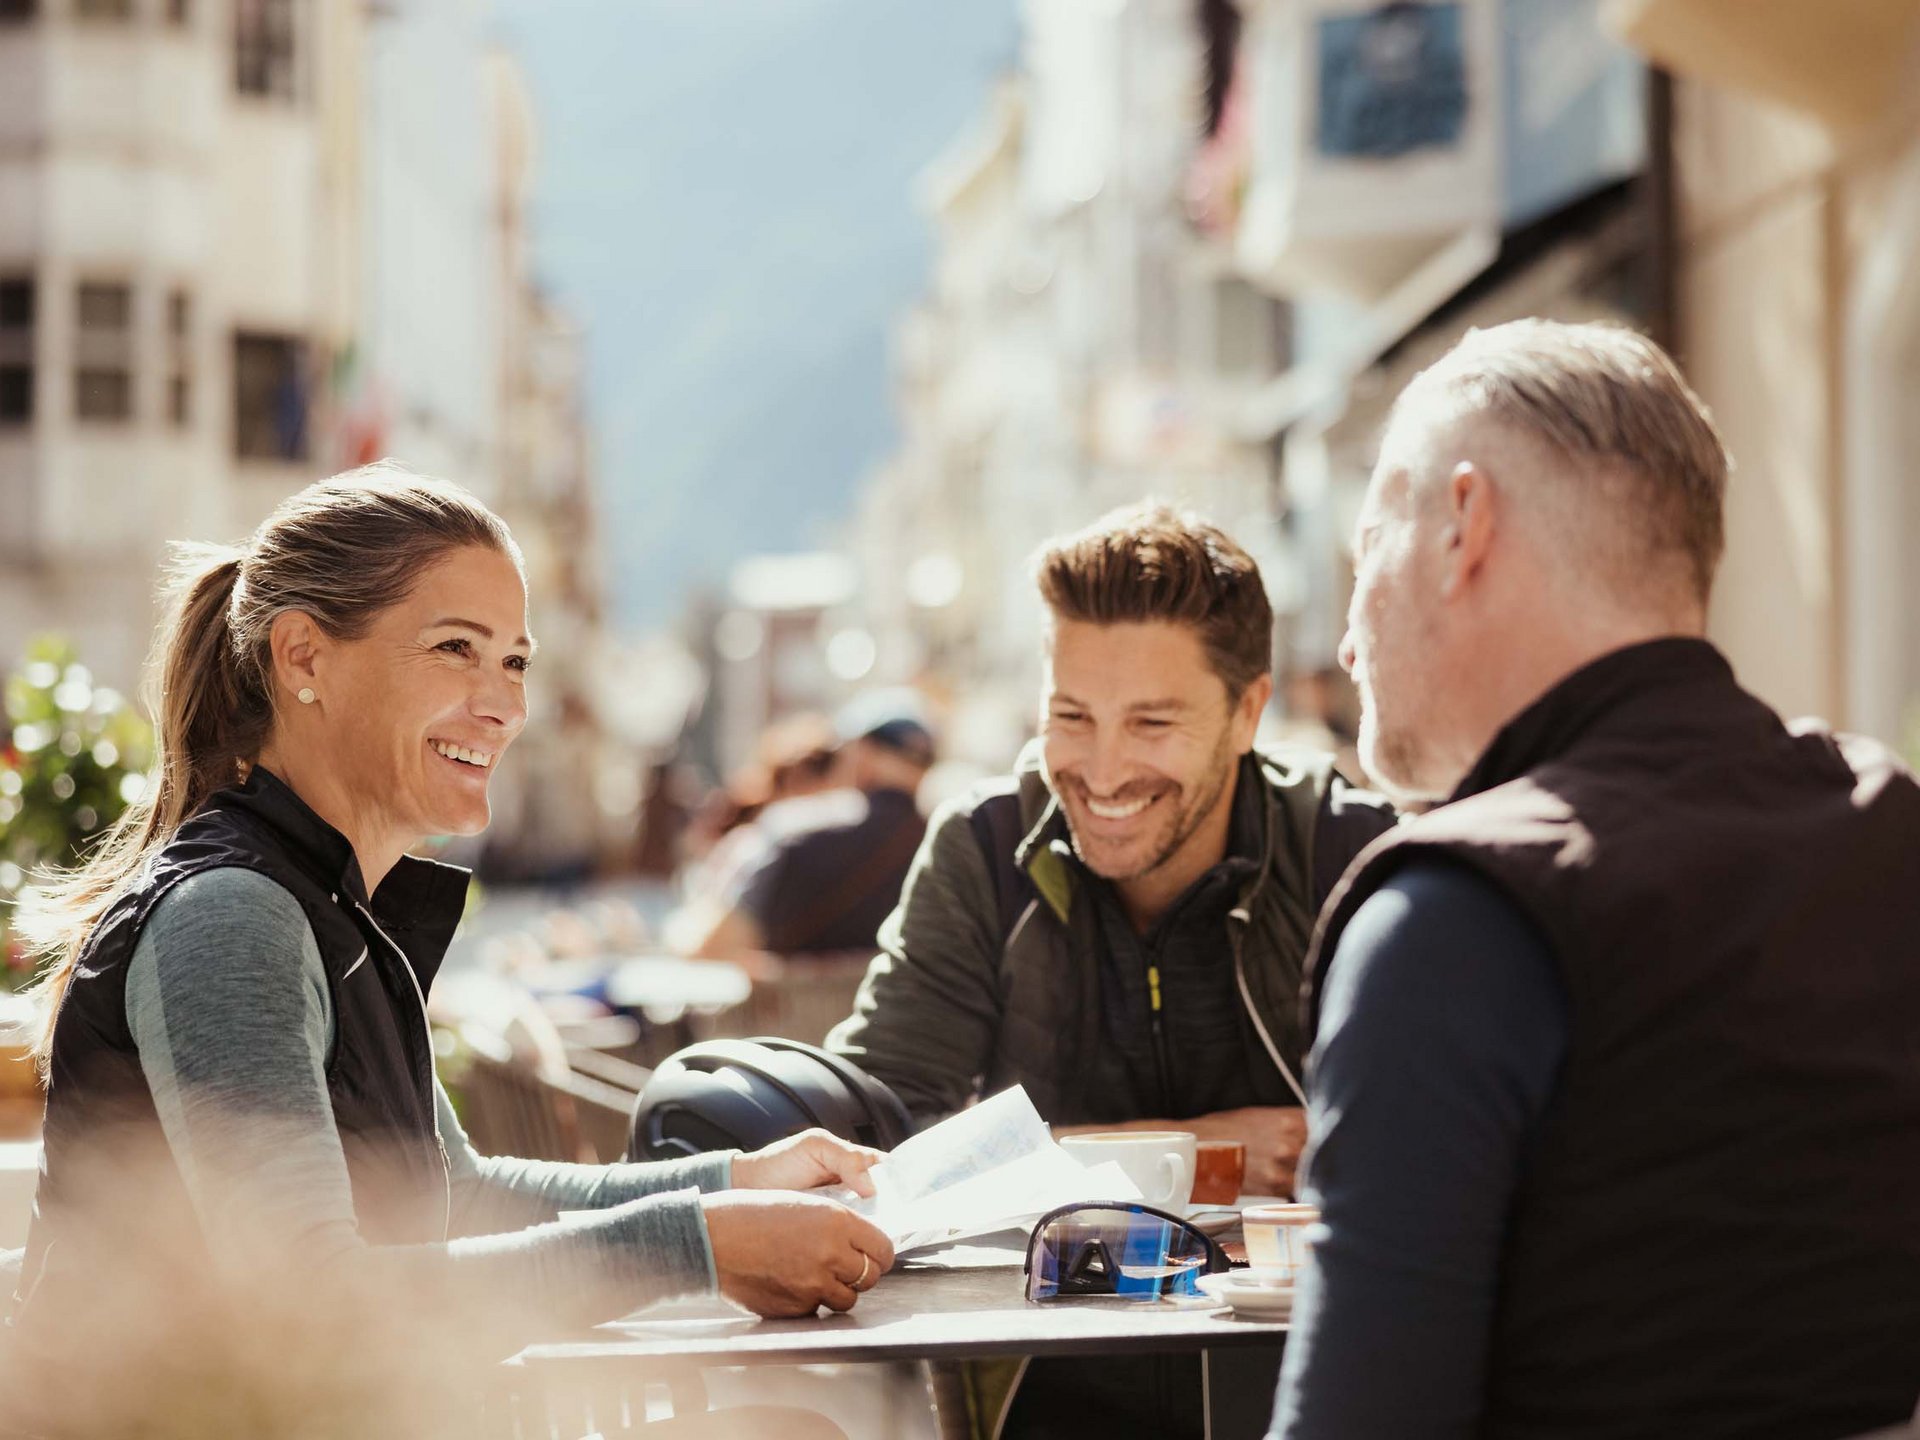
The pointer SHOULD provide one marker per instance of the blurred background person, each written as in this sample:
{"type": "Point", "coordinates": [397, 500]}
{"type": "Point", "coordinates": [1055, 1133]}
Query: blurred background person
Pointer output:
{"type": "Point", "coordinates": [817, 875]}
{"type": "Point", "coordinates": [793, 757]}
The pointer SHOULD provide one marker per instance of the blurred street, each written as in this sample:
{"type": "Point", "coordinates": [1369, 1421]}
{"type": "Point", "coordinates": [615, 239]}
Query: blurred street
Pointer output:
{"type": "Point", "coordinates": [782, 336]}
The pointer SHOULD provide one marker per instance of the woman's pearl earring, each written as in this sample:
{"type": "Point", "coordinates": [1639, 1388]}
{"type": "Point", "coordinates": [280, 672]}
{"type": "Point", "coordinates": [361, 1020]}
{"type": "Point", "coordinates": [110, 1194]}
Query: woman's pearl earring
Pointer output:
{"type": "Point", "coordinates": [306, 695]}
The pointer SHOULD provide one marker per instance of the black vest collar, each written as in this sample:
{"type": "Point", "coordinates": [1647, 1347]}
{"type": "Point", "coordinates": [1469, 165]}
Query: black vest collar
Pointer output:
{"type": "Point", "coordinates": [420, 902]}
{"type": "Point", "coordinates": [1552, 724]}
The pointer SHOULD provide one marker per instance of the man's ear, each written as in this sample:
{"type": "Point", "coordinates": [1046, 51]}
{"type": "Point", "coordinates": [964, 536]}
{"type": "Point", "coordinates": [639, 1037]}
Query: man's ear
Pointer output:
{"type": "Point", "coordinates": [297, 645]}
{"type": "Point", "coordinates": [1247, 711]}
{"type": "Point", "coordinates": [1471, 503]}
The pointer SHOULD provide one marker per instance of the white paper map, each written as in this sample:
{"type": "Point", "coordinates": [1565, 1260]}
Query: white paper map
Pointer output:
{"type": "Point", "coordinates": [993, 1167]}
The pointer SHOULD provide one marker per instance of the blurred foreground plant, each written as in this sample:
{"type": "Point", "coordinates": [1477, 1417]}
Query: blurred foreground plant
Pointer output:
{"type": "Point", "coordinates": [73, 755]}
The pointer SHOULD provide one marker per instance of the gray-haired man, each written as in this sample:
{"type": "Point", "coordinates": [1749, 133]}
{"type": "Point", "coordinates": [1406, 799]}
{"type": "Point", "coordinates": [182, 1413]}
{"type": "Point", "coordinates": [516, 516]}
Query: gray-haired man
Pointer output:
{"type": "Point", "coordinates": [1615, 1113]}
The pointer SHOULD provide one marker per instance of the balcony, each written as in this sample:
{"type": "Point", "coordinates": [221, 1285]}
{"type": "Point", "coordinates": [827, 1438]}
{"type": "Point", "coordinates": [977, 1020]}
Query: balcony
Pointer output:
{"type": "Point", "coordinates": [1374, 140]}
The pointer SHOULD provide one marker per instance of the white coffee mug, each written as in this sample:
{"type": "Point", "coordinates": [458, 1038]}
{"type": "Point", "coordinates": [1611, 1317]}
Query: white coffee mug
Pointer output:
{"type": "Point", "coordinates": [1158, 1162]}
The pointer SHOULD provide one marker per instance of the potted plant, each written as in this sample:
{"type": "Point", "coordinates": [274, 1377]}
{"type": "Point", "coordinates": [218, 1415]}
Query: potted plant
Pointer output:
{"type": "Point", "coordinates": [73, 756]}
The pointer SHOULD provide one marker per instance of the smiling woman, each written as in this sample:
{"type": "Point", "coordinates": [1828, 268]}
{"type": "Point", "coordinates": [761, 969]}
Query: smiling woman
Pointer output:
{"type": "Point", "coordinates": [246, 1143]}
{"type": "Point", "coordinates": [407, 718]}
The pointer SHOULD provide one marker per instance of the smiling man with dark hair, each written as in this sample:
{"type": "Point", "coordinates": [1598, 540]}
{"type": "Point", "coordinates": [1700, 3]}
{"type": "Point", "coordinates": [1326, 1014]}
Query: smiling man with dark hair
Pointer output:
{"type": "Point", "coordinates": [1120, 925]}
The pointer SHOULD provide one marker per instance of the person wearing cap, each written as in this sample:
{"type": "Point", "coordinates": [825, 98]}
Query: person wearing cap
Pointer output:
{"type": "Point", "coordinates": [822, 871]}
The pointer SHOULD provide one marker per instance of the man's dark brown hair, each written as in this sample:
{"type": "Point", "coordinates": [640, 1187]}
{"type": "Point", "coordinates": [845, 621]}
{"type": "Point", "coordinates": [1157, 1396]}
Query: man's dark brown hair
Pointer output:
{"type": "Point", "coordinates": [1151, 562]}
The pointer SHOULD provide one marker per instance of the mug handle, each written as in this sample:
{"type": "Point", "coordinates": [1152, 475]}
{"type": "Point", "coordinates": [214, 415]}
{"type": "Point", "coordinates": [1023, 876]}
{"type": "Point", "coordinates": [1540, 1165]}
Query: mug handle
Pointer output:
{"type": "Point", "coordinates": [1173, 1166]}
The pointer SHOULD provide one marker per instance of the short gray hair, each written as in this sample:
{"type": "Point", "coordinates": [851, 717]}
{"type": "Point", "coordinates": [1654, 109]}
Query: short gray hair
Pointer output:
{"type": "Point", "coordinates": [1603, 398]}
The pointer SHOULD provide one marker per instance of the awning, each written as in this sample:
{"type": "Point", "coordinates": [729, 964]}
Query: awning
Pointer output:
{"type": "Point", "coordinates": [1310, 385]}
{"type": "Point", "coordinates": [1841, 60]}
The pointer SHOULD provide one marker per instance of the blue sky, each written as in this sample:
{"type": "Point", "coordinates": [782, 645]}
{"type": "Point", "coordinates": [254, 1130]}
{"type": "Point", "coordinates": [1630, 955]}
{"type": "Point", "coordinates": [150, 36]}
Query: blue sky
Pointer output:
{"type": "Point", "coordinates": [724, 199]}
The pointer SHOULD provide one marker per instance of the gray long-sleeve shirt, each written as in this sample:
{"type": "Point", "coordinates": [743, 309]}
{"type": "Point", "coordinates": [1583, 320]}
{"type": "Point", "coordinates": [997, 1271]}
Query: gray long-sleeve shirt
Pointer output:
{"type": "Point", "coordinates": [228, 1003]}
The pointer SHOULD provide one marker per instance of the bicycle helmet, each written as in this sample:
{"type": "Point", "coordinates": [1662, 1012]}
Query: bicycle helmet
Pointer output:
{"type": "Point", "coordinates": [743, 1094]}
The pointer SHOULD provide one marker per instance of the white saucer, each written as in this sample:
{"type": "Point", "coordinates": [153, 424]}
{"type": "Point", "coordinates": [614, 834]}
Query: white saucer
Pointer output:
{"type": "Point", "coordinates": [1253, 1294]}
{"type": "Point", "coordinates": [687, 1315]}
{"type": "Point", "coordinates": [1212, 1219]}
{"type": "Point", "coordinates": [1217, 1220]}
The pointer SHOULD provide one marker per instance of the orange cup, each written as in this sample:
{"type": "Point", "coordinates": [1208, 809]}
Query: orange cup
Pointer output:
{"type": "Point", "coordinates": [1219, 1168]}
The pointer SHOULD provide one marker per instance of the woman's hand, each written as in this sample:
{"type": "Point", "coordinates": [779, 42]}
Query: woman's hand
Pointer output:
{"type": "Point", "coordinates": [807, 1161]}
{"type": "Point", "coordinates": [787, 1255]}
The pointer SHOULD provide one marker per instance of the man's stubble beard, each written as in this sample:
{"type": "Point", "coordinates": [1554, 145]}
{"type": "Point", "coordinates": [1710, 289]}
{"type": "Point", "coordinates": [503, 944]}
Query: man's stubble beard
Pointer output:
{"type": "Point", "coordinates": [1182, 826]}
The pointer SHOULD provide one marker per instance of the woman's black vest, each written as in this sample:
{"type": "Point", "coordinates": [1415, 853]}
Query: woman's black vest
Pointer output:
{"type": "Point", "coordinates": [109, 1195]}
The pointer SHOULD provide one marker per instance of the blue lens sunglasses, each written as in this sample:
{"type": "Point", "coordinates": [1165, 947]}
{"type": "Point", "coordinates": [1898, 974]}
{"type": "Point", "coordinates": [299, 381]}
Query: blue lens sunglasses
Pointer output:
{"type": "Point", "coordinates": [1120, 1248]}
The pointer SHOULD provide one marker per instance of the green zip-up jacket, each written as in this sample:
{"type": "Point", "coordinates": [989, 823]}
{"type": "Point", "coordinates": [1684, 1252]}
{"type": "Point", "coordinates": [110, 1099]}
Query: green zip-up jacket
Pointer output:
{"type": "Point", "coordinates": [989, 971]}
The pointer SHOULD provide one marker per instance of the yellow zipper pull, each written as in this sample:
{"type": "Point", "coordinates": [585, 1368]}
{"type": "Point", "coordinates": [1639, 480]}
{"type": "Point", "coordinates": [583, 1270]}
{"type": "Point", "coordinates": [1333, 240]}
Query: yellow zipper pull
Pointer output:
{"type": "Point", "coordinates": [1153, 985]}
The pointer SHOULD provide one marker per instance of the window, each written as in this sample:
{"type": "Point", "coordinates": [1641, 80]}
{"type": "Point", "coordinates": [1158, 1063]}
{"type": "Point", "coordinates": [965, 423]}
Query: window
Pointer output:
{"type": "Point", "coordinates": [269, 397]}
{"type": "Point", "coordinates": [103, 352]}
{"type": "Point", "coordinates": [1393, 80]}
{"type": "Point", "coordinates": [263, 48]}
{"type": "Point", "coordinates": [16, 393]}
{"type": "Point", "coordinates": [16, 349]}
{"type": "Point", "coordinates": [103, 394]}
{"type": "Point", "coordinates": [105, 307]}
{"type": "Point", "coordinates": [16, 303]}
{"type": "Point", "coordinates": [179, 357]}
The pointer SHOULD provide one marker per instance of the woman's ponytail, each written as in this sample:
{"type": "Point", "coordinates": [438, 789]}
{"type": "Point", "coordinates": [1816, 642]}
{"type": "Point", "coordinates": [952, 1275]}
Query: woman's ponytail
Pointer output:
{"type": "Point", "coordinates": [208, 715]}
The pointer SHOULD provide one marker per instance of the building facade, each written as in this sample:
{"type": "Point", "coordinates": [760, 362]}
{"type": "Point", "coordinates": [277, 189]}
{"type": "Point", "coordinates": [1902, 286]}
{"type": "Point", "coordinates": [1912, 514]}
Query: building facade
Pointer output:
{"type": "Point", "coordinates": [248, 243]}
{"type": "Point", "coordinates": [178, 198]}
{"type": "Point", "coordinates": [1796, 138]}
{"type": "Point", "coordinates": [1080, 347]}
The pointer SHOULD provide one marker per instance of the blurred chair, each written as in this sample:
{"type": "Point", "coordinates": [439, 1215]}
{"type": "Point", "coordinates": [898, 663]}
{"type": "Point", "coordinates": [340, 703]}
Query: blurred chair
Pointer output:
{"type": "Point", "coordinates": [604, 1034]}
{"type": "Point", "coordinates": [603, 1112]}
{"type": "Point", "coordinates": [614, 1070]}
{"type": "Point", "coordinates": [798, 997]}
{"type": "Point", "coordinates": [511, 1108]}
{"type": "Point", "coordinates": [543, 1113]}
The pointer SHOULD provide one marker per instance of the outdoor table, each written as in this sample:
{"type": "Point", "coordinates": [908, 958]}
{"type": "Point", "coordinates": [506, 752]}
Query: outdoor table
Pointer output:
{"type": "Point", "coordinates": [921, 1314]}
{"type": "Point", "coordinates": [670, 984]}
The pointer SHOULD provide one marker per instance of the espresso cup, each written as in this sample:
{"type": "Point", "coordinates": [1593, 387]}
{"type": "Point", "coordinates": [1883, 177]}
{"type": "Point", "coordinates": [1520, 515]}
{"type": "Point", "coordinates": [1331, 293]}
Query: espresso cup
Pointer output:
{"type": "Point", "coordinates": [1219, 1170]}
{"type": "Point", "coordinates": [1158, 1162]}
{"type": "Point", "coordinates": [1276, 1237]}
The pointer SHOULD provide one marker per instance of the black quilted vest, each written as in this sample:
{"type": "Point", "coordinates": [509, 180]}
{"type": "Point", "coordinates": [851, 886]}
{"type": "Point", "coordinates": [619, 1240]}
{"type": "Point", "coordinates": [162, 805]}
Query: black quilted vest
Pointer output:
{"type": "Point", "coordinates": [1717, 1229]}
{"type": "Point", "coordinates": [109, 1194]}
